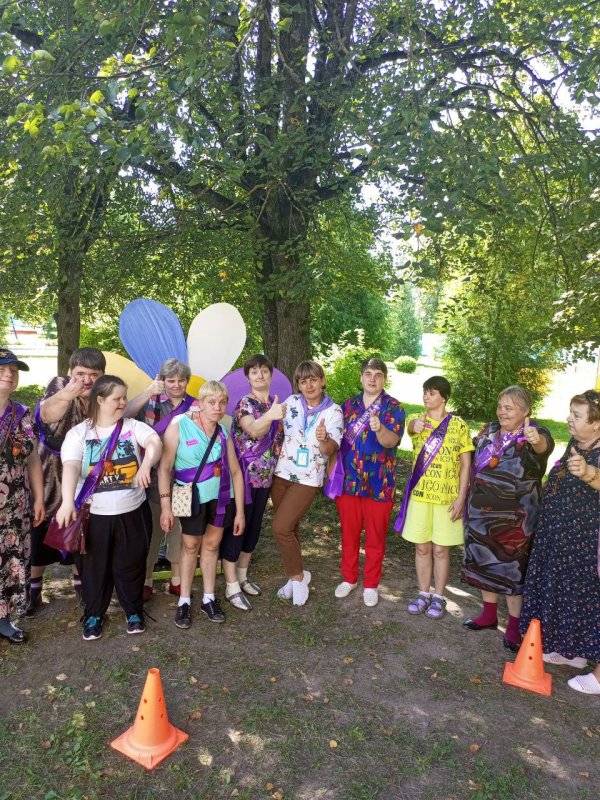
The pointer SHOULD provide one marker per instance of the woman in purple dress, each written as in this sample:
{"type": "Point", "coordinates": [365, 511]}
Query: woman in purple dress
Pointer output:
{"type": "Point", "coordinates": [502, 507]}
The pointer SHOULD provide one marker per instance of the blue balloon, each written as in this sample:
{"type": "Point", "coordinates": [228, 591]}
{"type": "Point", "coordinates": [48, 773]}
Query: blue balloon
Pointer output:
{"type": "Point", "coordinates": [151, 333]}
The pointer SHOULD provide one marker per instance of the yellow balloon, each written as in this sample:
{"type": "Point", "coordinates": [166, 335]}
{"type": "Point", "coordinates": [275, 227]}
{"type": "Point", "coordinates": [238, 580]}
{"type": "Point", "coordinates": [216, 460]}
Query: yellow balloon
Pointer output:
{"type": "Point", "coordinates": [194, 384]}
{"type": "Point", "coordinates": [598, 384]}
{"type": "Point", "coordinates": [135, 378]}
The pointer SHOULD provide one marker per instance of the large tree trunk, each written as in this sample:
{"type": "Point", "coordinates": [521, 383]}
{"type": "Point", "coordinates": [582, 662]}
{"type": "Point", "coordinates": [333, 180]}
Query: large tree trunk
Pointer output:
{"type": "Point", "coordinates": [68, 320]}
{"type": "Point", "coordinates": [293, 327]}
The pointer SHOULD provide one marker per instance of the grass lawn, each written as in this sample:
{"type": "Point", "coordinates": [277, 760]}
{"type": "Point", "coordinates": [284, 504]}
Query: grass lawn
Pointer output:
{"type": "Point", "coordinates": [332, 701]}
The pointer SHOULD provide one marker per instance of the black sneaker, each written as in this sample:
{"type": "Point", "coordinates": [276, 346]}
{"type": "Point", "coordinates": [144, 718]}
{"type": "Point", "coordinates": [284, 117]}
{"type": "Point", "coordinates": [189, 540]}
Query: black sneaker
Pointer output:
{"type": "Point", "coordinates": [183, 616]}
{"type": "Point", "coordinates": [135, 624]}
{"type": "Point", "coordinates": [213, 611]}
{"type": "Point", "coordinates": [92, 628]}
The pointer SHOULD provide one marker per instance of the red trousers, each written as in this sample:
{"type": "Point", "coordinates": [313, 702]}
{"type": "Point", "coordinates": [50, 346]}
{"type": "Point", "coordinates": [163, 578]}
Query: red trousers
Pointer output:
{"type": "Point", "coordinates": [358, 514]}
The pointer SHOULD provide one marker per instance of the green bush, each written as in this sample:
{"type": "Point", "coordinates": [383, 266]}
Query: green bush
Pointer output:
{"type": "Point", "coordinates": [405, 364]}
{"type": "Point", "coordinates": [29, 395]}
{"type": "Point", "coordinates": [342, 363]}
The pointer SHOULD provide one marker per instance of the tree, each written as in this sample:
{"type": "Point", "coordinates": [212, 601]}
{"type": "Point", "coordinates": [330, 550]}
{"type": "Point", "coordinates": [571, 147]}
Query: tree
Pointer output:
{"type": "Point", "coordinates": [262, 111]}
{"type": "Point", "coordinates": [404, 327]}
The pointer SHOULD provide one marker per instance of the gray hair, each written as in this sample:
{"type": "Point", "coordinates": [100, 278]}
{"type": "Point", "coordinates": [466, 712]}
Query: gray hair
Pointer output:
{"type": "Point", "coordinates": [174, 367]}
{"type": "Point", "coordinates": [520, 396]}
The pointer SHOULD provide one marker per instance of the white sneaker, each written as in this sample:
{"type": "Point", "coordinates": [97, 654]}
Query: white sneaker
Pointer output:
{"type": "Point", "coordinates": [239, 600]}
{"type": "Point", "coordinates": [344, 588]}
{"type": "Point", "coordinates": [286, 591]}
{"type": "Point", "coordinates": [370, 597]}
{"type": "Point", "coordinates": [556, 658]}
{"type": "Point", "coordinates": [300, 589]}
{"type": "Point", "coordinates": [588, 684]}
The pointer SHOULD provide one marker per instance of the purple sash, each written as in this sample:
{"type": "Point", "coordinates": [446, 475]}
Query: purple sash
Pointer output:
{"type": "Point", "coordinates": [93, 477]}
{"type": "Point", "coordinates": [208, 471]}
{"type": "Point", "coordinates": [248, 455]}
{"type": "Point", "coordinates": [161, 426]}
{"type": "Point", "coordinates": [325, 403]}
{"type": "Point", "coordinates": [334, 484]}
{"type": "Point", "coordinates": [426, 455]}
{"type": "Point", "coordinates": [13, 414]}
{"type": "Point", "coordinates": [494, 449]}
{"type": "Point", "coordinates": [42, 436]}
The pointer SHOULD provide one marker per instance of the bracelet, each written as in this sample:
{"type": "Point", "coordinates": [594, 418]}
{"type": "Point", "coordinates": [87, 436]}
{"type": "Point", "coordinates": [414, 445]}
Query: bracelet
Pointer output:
{"type": "Point", "coordinates": [164, 494]}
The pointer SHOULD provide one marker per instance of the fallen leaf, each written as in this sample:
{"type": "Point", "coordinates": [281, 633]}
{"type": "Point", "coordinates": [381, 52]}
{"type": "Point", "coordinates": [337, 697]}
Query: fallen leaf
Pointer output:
{"type": "Point", "coordinates": [135, 648]}
{"type": "Point", "coordinates": [196, 714]}
{"type": "Point", "coordinates": [474, 679]}
{"type": "Point", "coordinates": [225, 689]}
{"type": "Point", "coordinates": [273, 679]}
{"type": "Point", "coordinates": [325, 699]}
{"type": "Point", "coordinates": [193, 680]}
{"type": "Point", "coordinates": [434, 674]}
{"type": "Point", "coordinates": [277, 795]}
{"type": "Point", "coordinates": [269, 787]}
{"type": "Point", "coordinates": [378, 622]}
{"type": "Point", "coordinates": [347, 681]}
{"type": "Point", "coordinates": [61, 677]}
{"type": "Point", "coordinates": [87, 688]}
{"type": "Point", "coordinates": [204, 685]}
{"type": "Point", "coordinates": [585, 774]}
{"type": "Point", "coordinates": [332, 744]}
{"type": "Point", "coordinates": [47, 744]}
{"type": "Point", "coordinates": [587, 732]}
{"type": "Point", "coordinates": [91, 704]}
{"type": "Point", "coordinates": [474, 748]}
{"type": "Point", "coordinates": [71, 624]}
{"type": "Point", "coordinates": [25, 691]}
{"type": "Point", "coordinates": [348, 660]}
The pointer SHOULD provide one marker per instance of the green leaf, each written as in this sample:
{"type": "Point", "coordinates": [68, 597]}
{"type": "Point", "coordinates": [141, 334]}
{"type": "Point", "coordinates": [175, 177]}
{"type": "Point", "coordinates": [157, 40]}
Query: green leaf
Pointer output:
{"type": "Point", "coordinates": [96, 97]}
{"type": "Point", "coordinates": [12, 64]}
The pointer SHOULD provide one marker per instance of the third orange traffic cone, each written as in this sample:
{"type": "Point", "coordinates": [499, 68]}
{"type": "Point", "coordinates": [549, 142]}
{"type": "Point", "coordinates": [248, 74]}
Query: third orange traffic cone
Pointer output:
{"type": "Point", "coordinates": [152, 737]}
{"type": "Point", "coordinates": [527, 671]}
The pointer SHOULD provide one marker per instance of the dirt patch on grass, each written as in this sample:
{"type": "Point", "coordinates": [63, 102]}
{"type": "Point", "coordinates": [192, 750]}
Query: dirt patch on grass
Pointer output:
{"type": "Point", "coordinates": [333, 701]}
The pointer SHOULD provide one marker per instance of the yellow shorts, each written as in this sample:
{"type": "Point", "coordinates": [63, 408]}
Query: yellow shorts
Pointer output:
{"type": "Point", "coordinates": [430, 522]}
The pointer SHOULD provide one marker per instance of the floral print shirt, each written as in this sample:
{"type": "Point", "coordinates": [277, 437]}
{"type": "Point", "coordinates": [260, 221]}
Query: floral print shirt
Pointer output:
{"type": "Point", "coordinates": [260, 471]}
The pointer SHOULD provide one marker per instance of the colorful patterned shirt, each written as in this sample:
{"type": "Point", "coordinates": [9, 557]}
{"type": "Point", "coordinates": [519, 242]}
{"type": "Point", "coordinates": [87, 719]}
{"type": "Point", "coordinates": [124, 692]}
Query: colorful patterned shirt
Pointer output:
{"type": "Point", "coordinates": [369, 468]}
{"type": "Point", "coordinates": [260, 471]}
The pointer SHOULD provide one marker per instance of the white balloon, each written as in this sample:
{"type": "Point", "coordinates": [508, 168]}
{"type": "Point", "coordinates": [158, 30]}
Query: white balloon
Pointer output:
{"type": "Point", "coordinates": [215, 340]}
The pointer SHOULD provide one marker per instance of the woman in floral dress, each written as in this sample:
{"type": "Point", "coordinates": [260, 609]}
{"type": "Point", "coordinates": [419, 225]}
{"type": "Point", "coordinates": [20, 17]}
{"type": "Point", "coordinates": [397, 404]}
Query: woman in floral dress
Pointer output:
{"type": "Point", "coordinates": [21, 497]}
{"type": "Point", "coordinates": [562, 588]}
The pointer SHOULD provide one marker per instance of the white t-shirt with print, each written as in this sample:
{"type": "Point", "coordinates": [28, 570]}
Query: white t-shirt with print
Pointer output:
{"type": "Point", "coordinates": [117, 492]}
{"type": "Point", "coordinates": [295, 438]}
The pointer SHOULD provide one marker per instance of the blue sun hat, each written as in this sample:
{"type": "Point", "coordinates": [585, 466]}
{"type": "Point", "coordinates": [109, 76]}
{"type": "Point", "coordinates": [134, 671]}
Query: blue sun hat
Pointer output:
{"type": "Point", "coordinates": [8, 357]}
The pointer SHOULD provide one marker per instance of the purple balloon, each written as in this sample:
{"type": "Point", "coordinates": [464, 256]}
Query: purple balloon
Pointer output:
{"type": "Point", "coordinates": [237, 386]}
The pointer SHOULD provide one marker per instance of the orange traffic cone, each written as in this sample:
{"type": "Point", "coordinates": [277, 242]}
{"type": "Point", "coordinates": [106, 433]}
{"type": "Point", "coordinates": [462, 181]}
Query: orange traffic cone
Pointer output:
{"type": "Point", "coordinates": [151, 738]}
{"type": "Point", "coordinates": [527, 672]}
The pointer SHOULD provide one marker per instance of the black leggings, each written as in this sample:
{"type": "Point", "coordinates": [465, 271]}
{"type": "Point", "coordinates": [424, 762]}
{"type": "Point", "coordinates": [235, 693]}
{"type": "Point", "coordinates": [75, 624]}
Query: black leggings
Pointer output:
{"type": "Point", "coordinates": [116, 547]}
{"type": "Point", "coordinates": [232, 546]}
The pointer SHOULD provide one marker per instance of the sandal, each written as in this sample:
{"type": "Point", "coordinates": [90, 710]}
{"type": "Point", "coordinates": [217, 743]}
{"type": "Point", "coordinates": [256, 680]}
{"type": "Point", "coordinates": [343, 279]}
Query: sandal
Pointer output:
{"type": "Point", "coordinates": [419, 605]}
{"type": "Point", "coordinates": [437, 608]}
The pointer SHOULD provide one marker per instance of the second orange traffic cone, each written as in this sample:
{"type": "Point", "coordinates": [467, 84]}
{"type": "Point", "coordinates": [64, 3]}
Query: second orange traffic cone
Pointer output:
{"type": "Point", "coordinates": [152, 737]}
{"type": "Point", "coordinates": [527, 671]}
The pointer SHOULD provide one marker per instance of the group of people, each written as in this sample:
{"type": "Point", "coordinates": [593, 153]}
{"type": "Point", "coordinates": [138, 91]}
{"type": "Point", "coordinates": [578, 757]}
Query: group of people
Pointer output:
{"type": "Point", "coordinates": [164, 463]}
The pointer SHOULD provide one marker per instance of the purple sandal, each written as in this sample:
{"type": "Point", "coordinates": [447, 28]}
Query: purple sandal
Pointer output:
{"type": "Point", "coordinates": [419, 605]}
{"type": "Point", "coordinates": [437, 608]}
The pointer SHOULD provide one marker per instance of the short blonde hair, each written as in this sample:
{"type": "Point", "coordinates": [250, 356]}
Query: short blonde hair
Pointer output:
{"type": "Point", "coordinates": [212, 389]}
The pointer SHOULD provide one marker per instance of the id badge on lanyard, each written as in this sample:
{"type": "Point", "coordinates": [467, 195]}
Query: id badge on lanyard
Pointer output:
{"type": "Point", "coordinates": [303, 453]}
